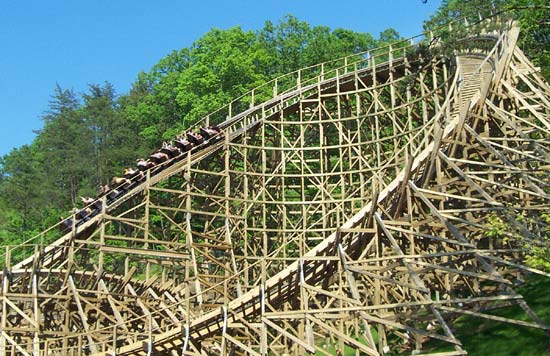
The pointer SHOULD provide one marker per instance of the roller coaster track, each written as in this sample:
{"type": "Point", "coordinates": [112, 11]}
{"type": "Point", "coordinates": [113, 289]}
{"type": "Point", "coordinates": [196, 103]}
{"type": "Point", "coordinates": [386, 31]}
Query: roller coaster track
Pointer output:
{"type": "Point", "coordinates": [357, 204]}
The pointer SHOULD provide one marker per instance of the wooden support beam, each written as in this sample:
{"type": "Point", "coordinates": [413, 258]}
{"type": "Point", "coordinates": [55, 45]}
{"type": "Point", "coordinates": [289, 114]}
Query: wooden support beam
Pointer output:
{"type": "Point", "coordinates": [288, 335]}
{"type": "Point", "coordinates": [82, 314]}
{"type": "Point", "coordinates": [143, 307]}
{"type": "Point", "coordinates": [120, 319]}
{"type": "Point", "coordinates": [494, 317]}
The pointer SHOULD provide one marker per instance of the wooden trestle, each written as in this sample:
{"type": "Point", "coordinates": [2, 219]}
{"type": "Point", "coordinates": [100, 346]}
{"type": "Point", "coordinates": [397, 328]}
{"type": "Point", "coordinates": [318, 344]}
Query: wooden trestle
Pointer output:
{"type": "Point", "coordinates": [350, 205]}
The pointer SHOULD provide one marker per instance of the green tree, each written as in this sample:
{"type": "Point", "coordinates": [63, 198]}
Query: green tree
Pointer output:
{"type": "Point", "coordinates": [293, 44]}
{"type": "Point", "coordinates": [20, 187]}
{"type": "Point", "coordinates": [472, 10]}
{"type": "Point", "coordinates": [114, 140]}
{"type": "Point", "coordinates": [223, 64]}
{"type": "Point", "coordinates": [65, 142]}
{"type": "Point", "coordinates": [532, 16]}
{"type": "Point", "coordinates": [151, 103]}
{"type": "Point", "coordinates": [88, 138]}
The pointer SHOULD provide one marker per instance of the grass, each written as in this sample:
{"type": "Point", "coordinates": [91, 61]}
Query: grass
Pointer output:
{"type": "Point", "coordinates": [491, 338]}
{"type": "Point", "coordinates": [487, 337]}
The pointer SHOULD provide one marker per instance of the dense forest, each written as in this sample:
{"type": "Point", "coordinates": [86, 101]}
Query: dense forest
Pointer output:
{"type": "Point", "coordinates": [87, 138]}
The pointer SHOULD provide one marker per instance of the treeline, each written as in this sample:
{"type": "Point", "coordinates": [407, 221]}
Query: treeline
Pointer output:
{"type": "Point", "coordinates": [87, 138]}
{"type": "Point", "coordinates": [532, 16]}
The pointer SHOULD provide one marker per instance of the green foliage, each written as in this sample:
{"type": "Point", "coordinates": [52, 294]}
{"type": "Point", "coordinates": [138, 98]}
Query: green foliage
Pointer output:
{"type": "Point", "coordinates": [90, 137]}
{"type": "Point", "coordinates": [540, 255]}
{"type": "Point", "coordinates": [84, 142]}
{"type": "Point", "coordinates": [65, 141]}
{"type": "Point", "coordinates": [224, 64]}
{"type": "Point", "coordinates": [490, 338]}
{"type": "Point", "coordinates": [472, 10]}
{"type": "Point", "coordinates": [114, 140]}
{"type": "Point", "coordinates": [532, 16]}
{"type": "Point", "coordinates": [496, 227]}
{"type": "Point", "coordinates": [20, 177]}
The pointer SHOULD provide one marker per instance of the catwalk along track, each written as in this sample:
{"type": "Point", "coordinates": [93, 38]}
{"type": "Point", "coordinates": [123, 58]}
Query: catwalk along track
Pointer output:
{"type": "Point", "coordinates": [360, 204]}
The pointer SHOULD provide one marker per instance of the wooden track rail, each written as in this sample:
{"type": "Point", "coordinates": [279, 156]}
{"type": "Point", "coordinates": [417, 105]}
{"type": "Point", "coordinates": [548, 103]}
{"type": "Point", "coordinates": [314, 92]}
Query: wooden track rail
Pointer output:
{"type": "Point", "coordinates": [354, 205]}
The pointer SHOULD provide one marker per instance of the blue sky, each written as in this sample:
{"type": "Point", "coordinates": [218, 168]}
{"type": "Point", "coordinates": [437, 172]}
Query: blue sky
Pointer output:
{"type": "Point", "coordinates": [74, 43]}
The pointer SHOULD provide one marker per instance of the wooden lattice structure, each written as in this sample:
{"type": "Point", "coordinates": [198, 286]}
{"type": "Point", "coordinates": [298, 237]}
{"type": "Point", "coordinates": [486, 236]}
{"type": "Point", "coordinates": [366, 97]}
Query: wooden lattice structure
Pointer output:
{"type": "Point", "coordinates": [349, 205]}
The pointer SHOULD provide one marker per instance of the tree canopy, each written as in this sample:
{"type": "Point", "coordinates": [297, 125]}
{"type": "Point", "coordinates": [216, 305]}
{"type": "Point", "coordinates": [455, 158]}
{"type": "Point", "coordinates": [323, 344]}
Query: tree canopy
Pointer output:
{"type": "Point", "coordinates": [89, 137]}
{"type": "Point", "coordinates": [223, 64]}
{"type": "Point", "coordinates": [532, 16]}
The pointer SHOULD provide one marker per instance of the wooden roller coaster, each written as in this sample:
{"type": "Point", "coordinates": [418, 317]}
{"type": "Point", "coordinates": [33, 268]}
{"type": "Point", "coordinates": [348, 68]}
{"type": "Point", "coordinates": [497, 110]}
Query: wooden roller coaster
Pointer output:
{"type": "Point", "coordinates": [347, 206]}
